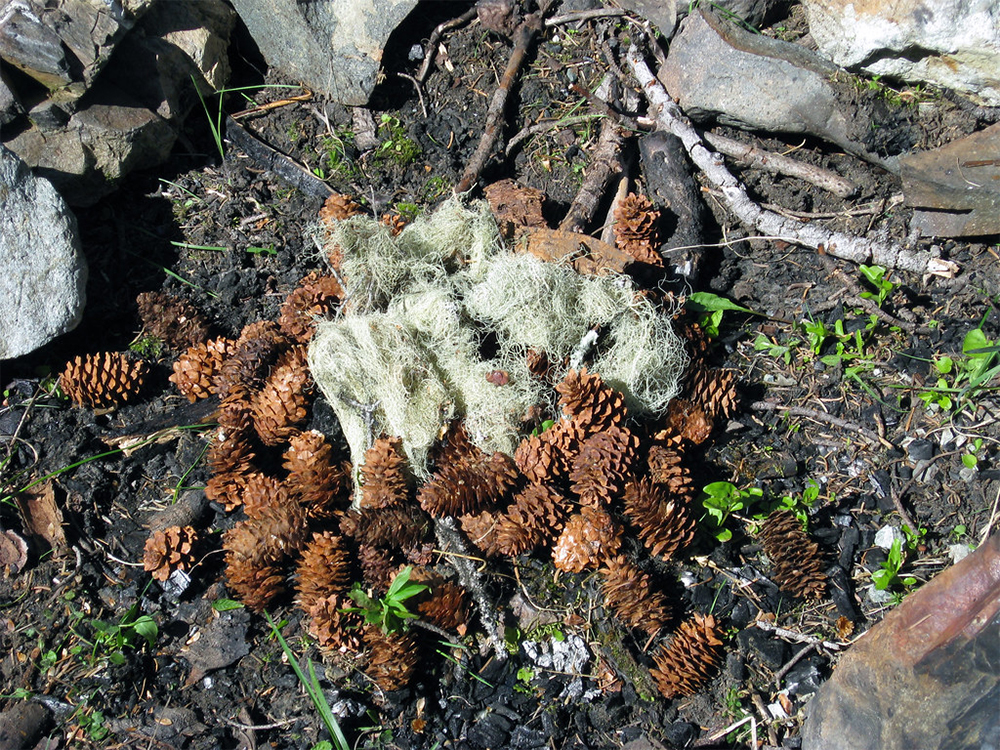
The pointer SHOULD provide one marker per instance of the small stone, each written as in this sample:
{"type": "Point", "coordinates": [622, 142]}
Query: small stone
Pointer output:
{"type": "Point", "coordinates": [920, 449]}
{"type": "Point", "coordinates": [887, 535]}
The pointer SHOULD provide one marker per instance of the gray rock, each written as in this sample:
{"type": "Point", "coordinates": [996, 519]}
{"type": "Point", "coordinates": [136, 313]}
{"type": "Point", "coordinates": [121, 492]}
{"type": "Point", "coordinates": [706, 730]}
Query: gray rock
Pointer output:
{"type": "Point", "coordinates": [132, 114]}
{"type": "Point", "coordinates": [43, 284]}
{"type": "Point", "coordinates": [334, 47]}
{"type": "Point", "coordinates": [944, 42]}
{"type": "Point", "coordinates": [10, 106]}
{"type": "Point", "coordinates": [716, 70]}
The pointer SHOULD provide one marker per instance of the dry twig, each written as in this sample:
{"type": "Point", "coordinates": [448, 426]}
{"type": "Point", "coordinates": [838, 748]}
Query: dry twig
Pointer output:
{"type": "Point", "coordinates": [668, 116]}
{"type": "Point", "coordinates": [523, 36]}
{"type": "Point", "coordinates": [436, 35]}
{"type": "Point", "coordinates": [820, 416]}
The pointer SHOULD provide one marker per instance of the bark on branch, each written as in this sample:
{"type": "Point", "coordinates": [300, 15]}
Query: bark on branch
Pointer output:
{"type": "Point", "coordinates": [668, 116]}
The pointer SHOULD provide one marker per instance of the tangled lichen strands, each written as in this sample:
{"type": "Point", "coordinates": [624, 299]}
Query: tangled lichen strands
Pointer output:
{"type": "Point", "coordinates": [455, 238]}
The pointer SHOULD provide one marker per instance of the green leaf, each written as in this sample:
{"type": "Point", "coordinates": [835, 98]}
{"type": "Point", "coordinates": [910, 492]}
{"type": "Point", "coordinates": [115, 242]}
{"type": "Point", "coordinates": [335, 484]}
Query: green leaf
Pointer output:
{"type": "Point", "coordinates": [146, 627]}
{"type": "Point", "coordinates": [975, 339]}
{"type": "Point", "coordinates": [724, 535]}
{"type": "Point", "coordinates": [708, 302]}
{"type": "Point", "coordinates": [224, 605]}
{"type": "Point", "coordinates": [970, 461]}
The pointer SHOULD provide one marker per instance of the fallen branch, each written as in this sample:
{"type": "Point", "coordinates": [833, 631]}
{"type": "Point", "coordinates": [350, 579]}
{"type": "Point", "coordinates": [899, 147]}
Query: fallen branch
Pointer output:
{"type": "Point", "coordinates": [451, 542]}
{"type": "Point", "coordinates": [436, 35]}
{"type": "Point", "coordinates": [668, 116]}
{"type": "Point", "coordinates": [821, 416]}
{"type": "Point", "coordinates": [523, 36]}
{"type": "Point", "coordinates": [779, 164]}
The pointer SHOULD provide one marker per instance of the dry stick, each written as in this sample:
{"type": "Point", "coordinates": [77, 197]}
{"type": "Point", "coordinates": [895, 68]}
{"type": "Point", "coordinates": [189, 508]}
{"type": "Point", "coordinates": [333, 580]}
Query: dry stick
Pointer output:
{"type": "Point", "coordinates": [669, 117]}
{"type": "Point", "coordinates": [796, 636]}
{"type": "Point", "coordinates": [604, 165]}
{"type": "Point", "coordinates": [821, 416]}
{"type": "Point", "coordinates": [584, 15]}
{"type": "Point", "coordinates": [523, 36]}
{"type": "Point", "coordinates": [468, 575]}
{"type": "Point", "coordinates": [542, 127]}
{"type": "Point", "coordinates": [779, 164]}
{"type": "Point", "coordinates": [436, 35]}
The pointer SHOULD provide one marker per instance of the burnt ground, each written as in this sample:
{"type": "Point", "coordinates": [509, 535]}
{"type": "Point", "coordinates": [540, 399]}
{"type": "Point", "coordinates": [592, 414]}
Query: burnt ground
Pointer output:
{"type": "Point", "coordinates": [870, 431]}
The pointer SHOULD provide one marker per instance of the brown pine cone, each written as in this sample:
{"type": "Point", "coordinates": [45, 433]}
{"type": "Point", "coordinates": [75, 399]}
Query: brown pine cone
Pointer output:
{"type": "Point", "coordinates": [337, 207]}
{"type": "Point", "coordinates": [253, 582]}
{"type": "Point", "coordinates": [538, 459]}
{"type": "Point", "coordinates": [604, 460]}
{"type": "Point", "coordinates": [252, 357]}
{"type": "Point", "coordinates": [383, 474]}
{"type": "Point", "coordinates": [666, 468]}
{"type": "Point", "coordinates": [197, 369]}
{"type": "Point", "coordinates": [447, 606]}
{"type": "Point", "coordinates": [637, 229]}
{"type": "Point", "coordinates": [227, 489]}
{"type": "Point", "coordinates": [714, 390]}
{"type": "Point", "coordinates": [686, 420]}
{"type": "Point", "coordinates": [315, 297]}
{"type": "Point", "coordinates": [798, 565]}
{"type": "Point", "coordinates": [468, 486]}
{"type": "Point", "coordinates": [630, 593]}
{"type": "Point", "coordinates": [690, 659]}
{"type": "Point", "coordinates": [595, 405]}
{"type": "Point", "coordinates": [263, 494]}
{"type": "Point", "coordinates": [320, 482]}
{"type": "Point", "coordinates": [481, 530]}
{"type": "Point", "coordinates": [270, 538]}
{"type": "Point", "coordinates": [536, 516]}
{"type": "Point", "coordinates": [335, 630]}
{"type": "Point", "coordinates": [168, 550]}
{"type": "Point", "coordinates": [664, 525]}
{"type": "Point", "coordinates": [401, 528]}
{"type": "Point", "coordinates": [171, 319]}
{"type": "Point", "coordinates": [102, 380]}
{"type": "Point", "coordinates": [323, 570]}
{"type": "Point", "coordinates": [231, 452]}
{"type": "Point", "coordinates": [392, 658]}
{"type": "Point", "coordinates": [588, 538]}
{"type": "Point", "coordinates": [395, 222]}
{"type": "Point", "coordinates": [378, 567]}
{"type": "Point", "coordinates": [282, 406]}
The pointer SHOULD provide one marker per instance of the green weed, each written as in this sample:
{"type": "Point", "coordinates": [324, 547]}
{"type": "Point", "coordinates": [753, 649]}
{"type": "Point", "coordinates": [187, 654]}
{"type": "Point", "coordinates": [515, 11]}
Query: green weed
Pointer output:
{"type": "Point", "coordinates": [722, 500]}
{"type": "Point", "coordinates": [388, 612]}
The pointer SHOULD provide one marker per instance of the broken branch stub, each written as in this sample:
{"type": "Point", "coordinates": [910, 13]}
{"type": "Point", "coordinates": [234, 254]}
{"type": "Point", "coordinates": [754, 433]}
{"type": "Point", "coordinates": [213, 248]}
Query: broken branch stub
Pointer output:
{"type": "Point", "coordinates": [669, 117]}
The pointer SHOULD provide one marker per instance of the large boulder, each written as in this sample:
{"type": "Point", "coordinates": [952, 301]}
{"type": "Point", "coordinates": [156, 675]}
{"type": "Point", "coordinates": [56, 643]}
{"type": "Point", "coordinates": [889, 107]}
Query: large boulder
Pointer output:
{"type": "Point", "coordinates": [115, 99]}
{"type": "Point", "coordinates": [334, 47]}
{"type": "Point", "coordinates": [43, 284]}
{"type": "Point", "coordinates": [950, 43]}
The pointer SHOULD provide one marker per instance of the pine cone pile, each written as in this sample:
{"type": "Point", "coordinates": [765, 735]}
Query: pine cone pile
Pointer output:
{"type": "Point", "coordinates": [637, 229]}
{"type": "Point", "coordinates": [795, 558]}
{"type": "Point", "coordinates": [103, 380]}
{"type": "Point", "coordinates": [316, 296]}
{"type": "Point", "coordinates": [196, 370]}
{"type": "Point", "coordinates": [690, 659]}
{"type": "Point", "coordinates": [173, 548]}
{"type": "Point", "coordinates": [383, 474]}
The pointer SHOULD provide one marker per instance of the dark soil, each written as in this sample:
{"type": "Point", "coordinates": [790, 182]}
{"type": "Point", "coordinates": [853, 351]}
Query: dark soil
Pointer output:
{"type": "Point", "coordinates": [235, 239]}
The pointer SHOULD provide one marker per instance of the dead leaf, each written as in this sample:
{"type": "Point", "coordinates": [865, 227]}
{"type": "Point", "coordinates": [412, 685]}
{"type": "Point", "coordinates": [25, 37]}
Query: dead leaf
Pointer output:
{"type": "Point", "coordinates": [844, 628]}
{"type": "Point", "coordinates": [589, 255]}
{"type": "Point", "coordinates": [13, 552]}
{"type": "Point", "coordinates": [42, 516]}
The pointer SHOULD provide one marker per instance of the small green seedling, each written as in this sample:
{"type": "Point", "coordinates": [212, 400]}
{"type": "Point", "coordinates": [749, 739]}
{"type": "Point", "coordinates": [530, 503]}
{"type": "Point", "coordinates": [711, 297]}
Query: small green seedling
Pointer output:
{"type": "Point", "coordinates": [763, 344]}
{"type": "Point", "coordinates": [723, 499]}
{"type": "Point", "coordinates": [969, 458]}
{"type": "Point", "coordinates": [962, 377]}
{"type": "Point", "coordinates": [524, 677]}
{"type": "Point", "coordinates": [713, 307]}
{"type": "Point", "coordinates": [887, 577]}
{"type": "Point", "coordinates": [876, 276]}
{"type": "Point", "coordinates": [388, 612]}
{"type": "Point", "coordinates": [797, 504]}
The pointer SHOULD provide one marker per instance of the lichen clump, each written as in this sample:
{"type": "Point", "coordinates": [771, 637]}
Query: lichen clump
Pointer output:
{"type": "Point", "coordinates": [438, 322]}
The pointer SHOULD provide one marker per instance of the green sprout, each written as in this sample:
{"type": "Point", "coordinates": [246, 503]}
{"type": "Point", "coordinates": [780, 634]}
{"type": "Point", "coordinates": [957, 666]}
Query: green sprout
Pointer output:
{"type": "Point", "coordinates": [887, 576]}
{"type": "Point", "coordinates": [722, 500]}
{"type": "Point", "coordinates": [388, 612]}
{"type": "Point", "coordinates": [713, 307]}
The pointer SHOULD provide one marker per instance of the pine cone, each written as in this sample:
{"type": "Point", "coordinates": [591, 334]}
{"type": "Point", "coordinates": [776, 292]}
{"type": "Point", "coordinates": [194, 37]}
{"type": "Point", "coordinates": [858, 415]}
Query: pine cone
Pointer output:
{"type": "Point", "coordinates": [447, 606]}
{"type": "Point", "coordinates": [666, 468]}
{"type": "Point", "coordinates": [383, 474]}
{"type": "Point", "coordinates": [536, 516]}
{"type": "Point", "coordinates": [263, 494]}
{"type": "Point", "coordinates": [270, 538]}
{"type": "Point", "coordinates": [171, 319]}
{"type": "Point", "coordinates": [252, 357]}
{"type": "Point", "coordinates": [713, 390]}
{"type": "Point", "coordinates": [231, 452]}
{"type": "Point", "coordinates": [103, 380]}
{"type": "Point", "coordinates": [254, 583]}
{"type": "Point", "coordinates": [337, 207]}
{"type": "Point", "coordinates": [227, 489]}
{"type": "Point", "coordinates": [637, 229]}
{"type": "Point", "coordinates": [798, 565]}
{"type": "Point", "coordinates": [538, 458]}
{"type": "Point", "coordinates": [600, 468]}
{"type": "Point", "coordinates": [392, 658]}
{"type": "Point", "coordinates": [313, 474]}
{"type": "Point", "coordinates": [395, 222]}
{"type": "Point", "coordinates": [196, 370]}
{"type": "Point", "coordinates": [481, 530]}
{"type": "Point", "coordinates": [168, 550]}
{"type": "Point", "coordinates": [315, 297]}
{"type": "Point", "coordinates": [687, 421]}
{"type": "Point", "coordinates": [690, 659]}
{"type": "Point", "coordinates": [630, 593]}
{"type": "Point", "coordinates": [323, 570]}
{"type": "Point", "coordinates": [398, 527]}
{"type": "Point", "coordinates": [283, 404]}
{"type": "Point", "coordinates": [664, 525]}
{"type": "Point", "coordinates": [378, 567]}
{"type": "Point", "coordinates": [595, 405]}
{"type": "Point", "coordinates": [588, 538]}
{"type": "Point", "coordinates": [335, 631]}
{"type": "Point", "coordinates": [468, 486]}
